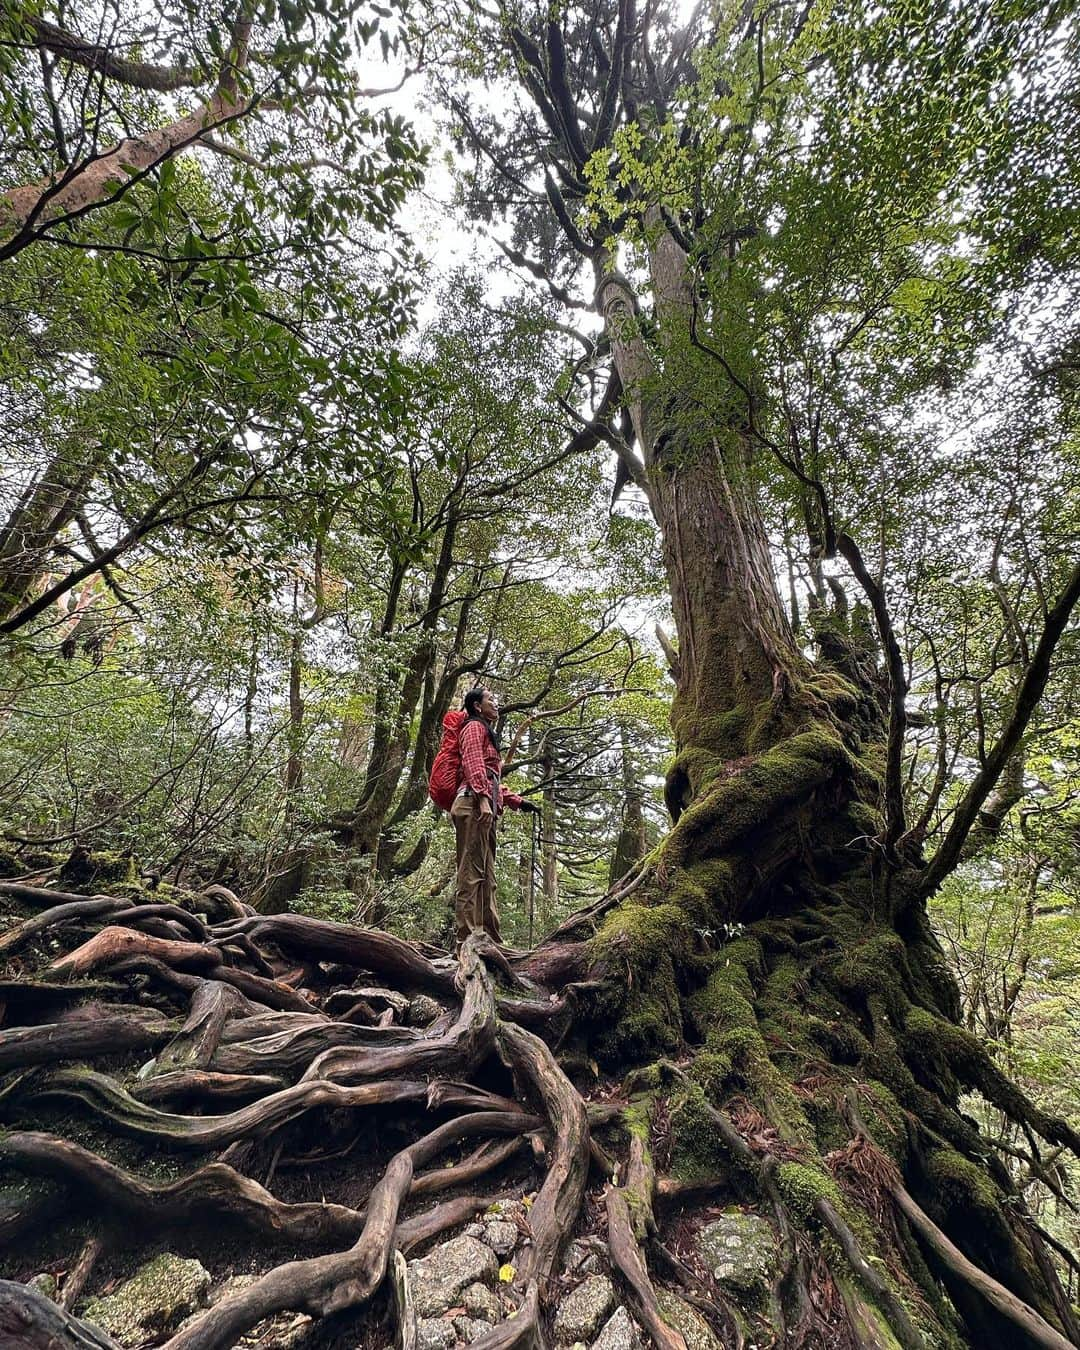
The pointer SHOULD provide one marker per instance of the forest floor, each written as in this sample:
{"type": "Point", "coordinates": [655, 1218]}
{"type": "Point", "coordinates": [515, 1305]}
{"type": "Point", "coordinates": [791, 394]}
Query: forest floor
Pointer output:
{"type": "Point", "coordinates": [295, 1100]}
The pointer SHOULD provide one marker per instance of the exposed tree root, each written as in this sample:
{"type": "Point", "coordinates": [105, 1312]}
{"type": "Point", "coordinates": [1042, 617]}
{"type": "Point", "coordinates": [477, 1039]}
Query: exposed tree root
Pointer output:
{"type": "Point", "coordinates": [216, 1193]}
{"type": "Point", "coordinates": [1025, 1318]}
{"type": "Point", "coordinates": [138, 1029]}
{"type": "Point", "coordinates": [29, 1321]}
{"type": "Point", "coordinates": [80, 1273]}
{"type": "Point", "coordinates": [626, 1254]}
{"type": "Point", "coordinates": [311, 1056]}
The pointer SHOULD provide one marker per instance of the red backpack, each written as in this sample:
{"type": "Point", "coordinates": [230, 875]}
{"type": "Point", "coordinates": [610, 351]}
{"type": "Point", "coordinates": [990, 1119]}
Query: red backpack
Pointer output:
{"type": "Point", "coordinates": [445, 777]}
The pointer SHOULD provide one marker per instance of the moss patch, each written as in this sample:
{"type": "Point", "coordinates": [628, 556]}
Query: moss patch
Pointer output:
{"type": "Point", "coordinates": [802, 1185]}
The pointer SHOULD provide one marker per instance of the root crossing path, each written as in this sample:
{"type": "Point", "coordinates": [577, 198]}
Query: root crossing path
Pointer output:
{"type": "Point", "coordinates": [313, 1110]}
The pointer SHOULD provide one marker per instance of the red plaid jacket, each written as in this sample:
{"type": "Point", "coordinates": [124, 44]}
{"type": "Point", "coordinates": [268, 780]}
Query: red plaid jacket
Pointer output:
{"type": "Point", "coordinates": [481, 766]}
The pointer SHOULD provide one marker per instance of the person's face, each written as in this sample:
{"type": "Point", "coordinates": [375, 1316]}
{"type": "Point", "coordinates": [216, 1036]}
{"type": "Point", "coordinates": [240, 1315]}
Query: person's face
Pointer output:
{"type": "Point", "coordinates": [489, 709]}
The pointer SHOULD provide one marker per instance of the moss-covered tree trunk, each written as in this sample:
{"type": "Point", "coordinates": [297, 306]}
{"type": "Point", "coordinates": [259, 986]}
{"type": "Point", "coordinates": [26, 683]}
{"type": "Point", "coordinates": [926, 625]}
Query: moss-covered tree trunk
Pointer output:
{"type": "Point", "coordinates": [775, 952]}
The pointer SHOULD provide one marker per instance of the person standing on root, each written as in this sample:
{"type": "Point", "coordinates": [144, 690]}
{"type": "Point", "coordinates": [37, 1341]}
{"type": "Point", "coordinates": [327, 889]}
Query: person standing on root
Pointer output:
{"type": "Point", "coordinates": [477, 806]}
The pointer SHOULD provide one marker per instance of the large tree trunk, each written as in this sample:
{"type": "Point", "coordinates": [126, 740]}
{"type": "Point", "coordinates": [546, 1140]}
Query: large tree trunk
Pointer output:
{"type": "Point", "coordinates": [771, 939]}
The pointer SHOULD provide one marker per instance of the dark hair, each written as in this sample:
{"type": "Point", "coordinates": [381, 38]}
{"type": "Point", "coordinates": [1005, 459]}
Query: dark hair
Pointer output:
{"type": "Point", "coordinates": [471, 702]}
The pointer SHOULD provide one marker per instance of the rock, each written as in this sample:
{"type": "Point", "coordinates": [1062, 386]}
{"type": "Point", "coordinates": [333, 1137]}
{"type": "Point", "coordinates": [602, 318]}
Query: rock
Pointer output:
{"type": "Point", "coordinates": [438, 1278]}
{"type": "Point", "coordinates": [479, 1301]}
{"type": "Point", "coordinates": [508, 1211]}
{"type": "Point", "coordinates": [583, 1257]}
{"type": "Point", "coordinates": [575, 1254]}
{"type": "Point", "coordinates": [583, 1310]}
{"type": "Point", "coordinates": [620, 1333]}
{"type": "Point", "coordinates": [434, 1333]}
{"type": "Point", "coordinates": [500, 1236]}
{"type": "Point", "coordinates": [422, 1010]}
{"type": "Point", "coordinates": [475, 1230]}
{"type": "Point", "coordinates": [45, 1284]}
{"type": "Point", "coordinates": [156, 1297]}
{"type": "Point", "coordinates": [740, 1250]}
{"type": "Point", "coordinates": [696, 1332]}
{"type": "Point", "coordinates": [232, 1285]}
{"type": "Point", "coordinates": [470, 1329]}
{"type": "Point", "coordinates": [283, 1332]}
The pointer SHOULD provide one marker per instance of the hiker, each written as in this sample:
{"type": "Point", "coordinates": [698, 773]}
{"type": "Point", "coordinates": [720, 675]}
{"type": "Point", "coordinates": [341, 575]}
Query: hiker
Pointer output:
{"type": "Point", "coordinates": [477, 805]}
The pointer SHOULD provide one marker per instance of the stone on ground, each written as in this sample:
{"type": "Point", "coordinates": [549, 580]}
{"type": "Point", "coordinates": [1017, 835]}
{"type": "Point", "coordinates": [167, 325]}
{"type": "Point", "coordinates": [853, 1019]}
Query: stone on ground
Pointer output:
{"type": "Point", "coordinates": [740, 1250]}
{"type": "Point", "coordinates": [46, 1285]}
{"type": "Point", "coordinates": [422, 1011]}
{"type": "Point", "coordinates": [501, 1236]}
{"type": "Point", "coordinates": [155, 1299]}
{"type": "Point", "coordinates": [438, 1278]}
{"type": "Point", "coordinates": [470, 1329]}
{"type": "Point", "coordinates": [433, 1333]}
{"type": "Point", "coordinates": [479, 1301]}
{"type": "Point", "coordinates": [583, 1257]}
{"type": "Point", "coordinates": [678, 1314]}
{"type": "Point", "coordinates": [620, 1333]}
{"type": "Point", "coordinates": [583, 1311]}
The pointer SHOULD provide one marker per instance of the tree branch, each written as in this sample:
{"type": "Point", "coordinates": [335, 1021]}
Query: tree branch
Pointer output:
{"type": "Point", "coordinates": [894, 787]}
{"type": "Point", "coordinates": [94, 56]}
{"type": "Point", "coordinates": [1027, 700]}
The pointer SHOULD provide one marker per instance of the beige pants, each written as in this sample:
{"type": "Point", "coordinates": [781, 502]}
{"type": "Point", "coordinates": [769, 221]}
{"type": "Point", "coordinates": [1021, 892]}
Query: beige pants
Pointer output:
{"type": "Point", "coordinates": [474, 905]}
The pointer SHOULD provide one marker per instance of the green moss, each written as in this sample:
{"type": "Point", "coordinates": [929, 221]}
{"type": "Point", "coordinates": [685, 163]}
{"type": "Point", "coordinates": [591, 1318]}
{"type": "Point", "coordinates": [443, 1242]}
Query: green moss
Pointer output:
{"type": "Point", "coordinates": [960, 1182]}
{"type": "Point", "coordinates": [870, 1325]}
{"type": "Point", "coordinates": [875, 967]}
{"type": "Point", "coordinates": [963, 1051]}
{"type": "Point", "coordinates": [801, 1185]}
{"type": "Point", "coordinates": [722, 1014]}
{"type": "Point", "coordinates": [711, 1070]}
{"type": "Point", "coordinates": [724, 733]}
{"type": "Point", "coordinates": [636, 1116]}
{"type": "Point", "coordinates": [830, 687]}
{"type": "Point", "coordinates": [863, 818]}
{"type": "Point", "coordinates": [742, 799]}
{"type": "Point", "coordinates": [785, 985]}
{"type": "Point", "coordinates": [840, 1037]}
{"type": "Point", "coordinates": [647, 1078]}
{"type": "Point", "coordinates": [830, 1129]}
{"type": "Point", "coordinates": [696, 1149]}
{"type": "Point", "coordinates": [697, 765]}
{"type": "Point", "coordinates": [725, 1002]}
{"type": "Point", "coordinates": [640, 1011]}
{"type": "Point", "coordinates": [886, 1111]}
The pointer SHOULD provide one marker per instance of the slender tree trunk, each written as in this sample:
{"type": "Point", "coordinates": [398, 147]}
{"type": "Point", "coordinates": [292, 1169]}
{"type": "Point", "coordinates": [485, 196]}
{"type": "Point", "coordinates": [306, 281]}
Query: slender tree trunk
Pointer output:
{"type": "Point", "coordinates": [736, 648]}
{"type": "Point", "coordinates": [438, 695]}
{"type": "Point", "coordinates": [549, 884]}
{"type": "Point", "coordinates": [394, 714]}
{"type": "Point", "coordinates": [631, 845]}
{"type": "Point", "coordinates": [284, 888]}
{"type": "Point", "coordinates": [46, 508]}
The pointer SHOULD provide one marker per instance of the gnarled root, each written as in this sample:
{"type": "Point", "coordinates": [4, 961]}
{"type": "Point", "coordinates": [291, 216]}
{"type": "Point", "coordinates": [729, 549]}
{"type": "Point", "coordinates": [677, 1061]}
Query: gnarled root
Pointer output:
{"type": "Point", "coordinates": [270, 1030]}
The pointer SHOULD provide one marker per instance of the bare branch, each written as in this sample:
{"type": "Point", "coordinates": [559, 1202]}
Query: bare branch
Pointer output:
{"type": "Point", "coordinates": [1027, 700]}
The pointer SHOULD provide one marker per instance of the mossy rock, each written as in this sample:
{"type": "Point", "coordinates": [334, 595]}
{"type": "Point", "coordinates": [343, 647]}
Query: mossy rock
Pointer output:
{"type": "Point", "coordinates": [741, 1250]}
{"type": "Point", "coordinates": [155, 1299]}
{"type": "Point", "coordinates": [696, 1332]}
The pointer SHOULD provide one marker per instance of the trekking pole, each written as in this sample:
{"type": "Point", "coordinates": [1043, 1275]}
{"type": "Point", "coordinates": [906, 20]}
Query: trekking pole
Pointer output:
{"type": "Point", "coordinates": [532, 876]}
